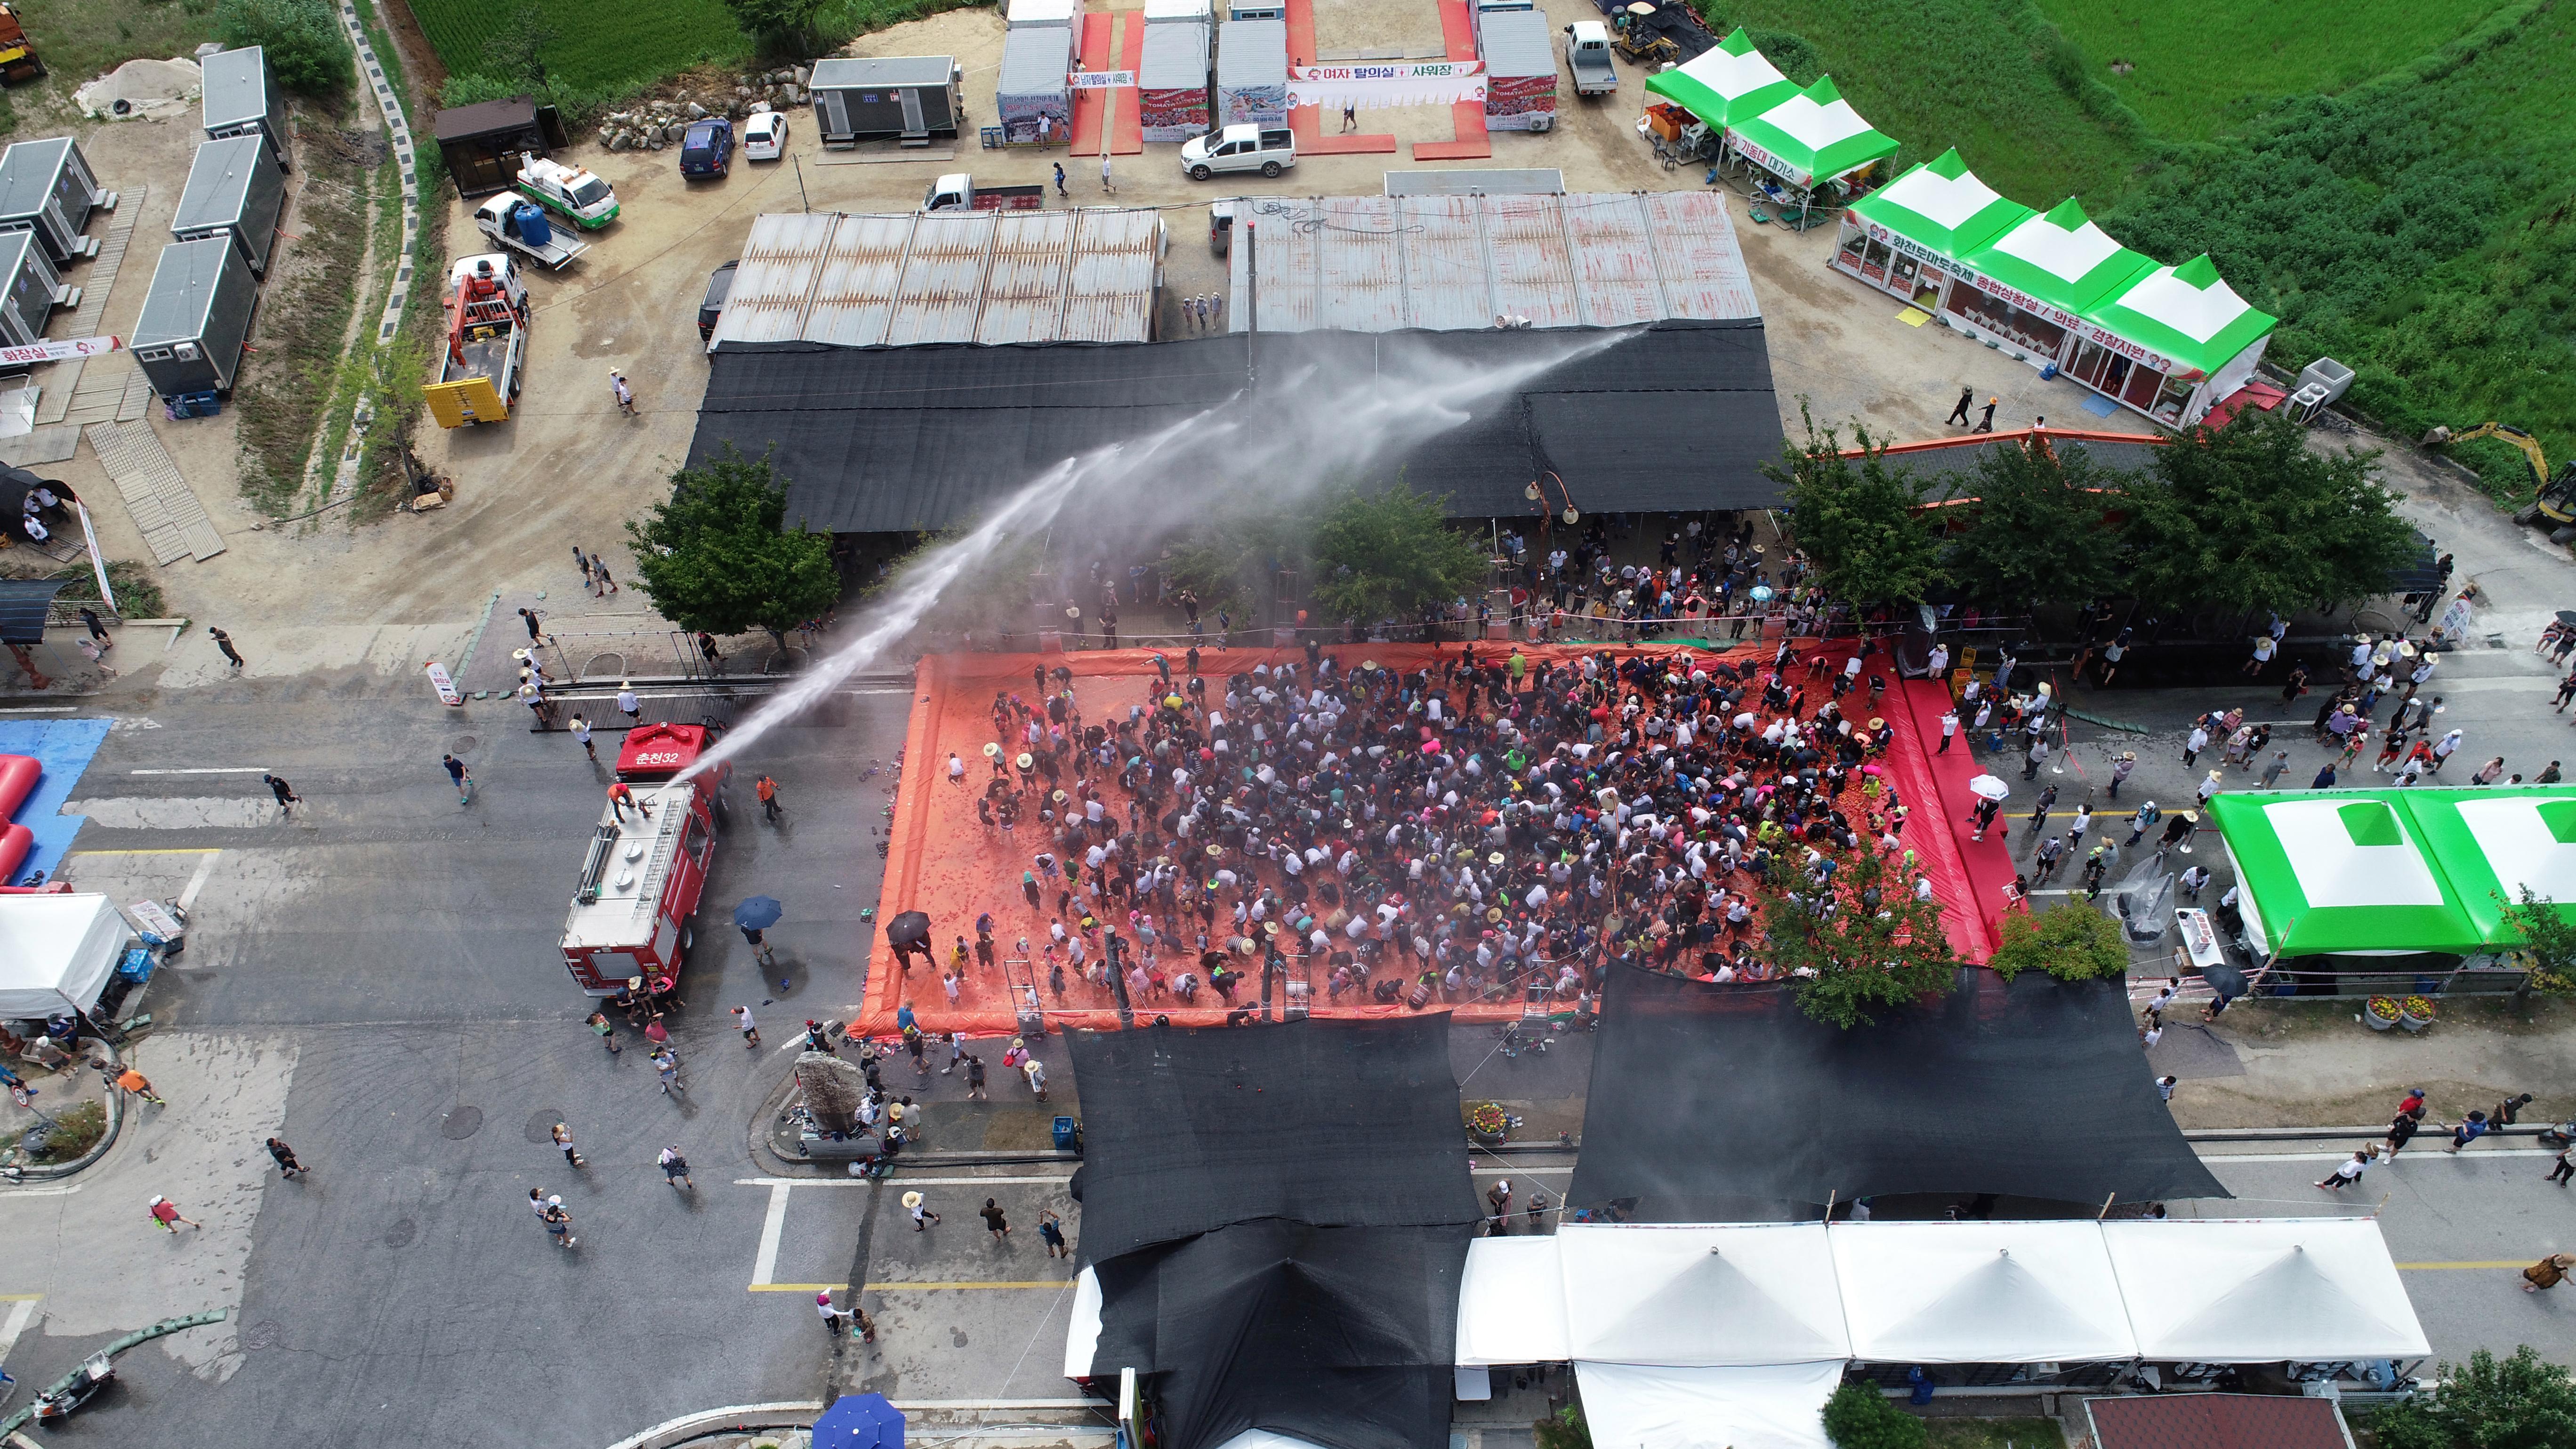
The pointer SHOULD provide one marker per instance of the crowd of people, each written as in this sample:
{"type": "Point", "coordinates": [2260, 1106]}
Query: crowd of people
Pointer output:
{"type": "Point", "coordinates": [1486, 828]}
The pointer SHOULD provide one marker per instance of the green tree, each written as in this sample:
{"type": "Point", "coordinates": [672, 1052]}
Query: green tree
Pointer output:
{"type": "Point", "coordinates": [307, 50]}
{"type": "Point", "coordinates": [2524, 1402]}
{"type": "Point", "coordinates": [1384, 555]}
{"type": "Point", "coordinates": [1861, 521]}
{"type": "Point", "coordinates": [2247, 517]}
{"type": "Point", "coordinates": [2549, 941]}
{"type": "Point", "coordinates": [717, 557]}
{"type": "Point", "coordinates": [2036, 530]}
{"type": "Point", "coordinates": [1564, 1429]}
{"type": "Point", "coordinates": [1878, 946]}
{"type": "Point", "coordinates": [1858, 1416]}
{"type": "Point", "coordinates": [780, 24]}
{"type": "Point", "coordinates": [2068, 941]}
{"type": "Point", "coordinates": [516, 52]}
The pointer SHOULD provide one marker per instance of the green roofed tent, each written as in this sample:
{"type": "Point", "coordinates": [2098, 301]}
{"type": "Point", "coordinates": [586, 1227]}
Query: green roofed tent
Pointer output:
{"type": "Point", "coordinates": [1811, 137]}
{"type": "Point", "coordinates": [2184, 312]}
{"type": "Point", "coordinates": [1941, 207]}
{"type": "Point", "coordinates": [2061, 258]}
{"type": "Point", "coordinates": [2340, 871]}
{"type": "Point", "coordinates": [2492, 843]}
{"type": "Point", "coordinates": [1730, 83]}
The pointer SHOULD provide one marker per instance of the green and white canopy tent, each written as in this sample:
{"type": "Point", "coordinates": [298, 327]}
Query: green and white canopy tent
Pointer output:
{"type": "Point", "coordinates": [1810, 138]}
{"type": "Point", "coordinates": [2185, 313]}
{"type": "Point", "coordinates": [1941, 208]}
{"type": "Point", "coordinates": [2379, 872]}
{"type": "Point", "coordinates": [1730, 83]}
{"type": "Point", "coordinates": [2059, 259]}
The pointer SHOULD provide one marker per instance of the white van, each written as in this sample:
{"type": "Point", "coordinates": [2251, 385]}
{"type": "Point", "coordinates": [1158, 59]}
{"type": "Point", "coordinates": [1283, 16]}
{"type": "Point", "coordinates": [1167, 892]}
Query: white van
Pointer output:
{"type": "Point", "coordinates": [1239, 148]}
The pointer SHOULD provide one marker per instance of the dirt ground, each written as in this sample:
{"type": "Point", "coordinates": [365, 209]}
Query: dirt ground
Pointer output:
{"type": "Point", "coordinates": [2317, 1063]}
{"type": "Point", "coordinates": [568, 470]}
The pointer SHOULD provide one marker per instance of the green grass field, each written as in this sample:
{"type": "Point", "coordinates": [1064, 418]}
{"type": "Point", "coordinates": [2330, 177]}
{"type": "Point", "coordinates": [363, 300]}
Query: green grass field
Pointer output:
{"type": "Point", "coordinates": [2204, 69]}
{"type": "Point", "coordinates": [597, 44]}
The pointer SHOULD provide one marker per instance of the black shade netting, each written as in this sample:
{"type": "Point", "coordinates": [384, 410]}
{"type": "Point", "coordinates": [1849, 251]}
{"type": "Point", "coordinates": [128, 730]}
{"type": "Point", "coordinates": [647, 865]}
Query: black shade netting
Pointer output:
{"type": "Point", "coordinates": [1340, 1336]}
{"type": "Point", "coordinates": [1330, 1123]}
{"type": "Point", "coordinates": [1705, 1097]}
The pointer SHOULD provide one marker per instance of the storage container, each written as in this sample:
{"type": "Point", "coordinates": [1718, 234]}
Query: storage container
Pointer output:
{"type": "Point", "coordinates": [1252, 73]}
{"type": "Point", "coordinates": [1172, 82]}
{"type": "Point", "coordinates": [47, 187]}
{"type": "Point", "coordinates": [237, 190]}
{"type": "Point", "coordinates": [242, 99]}
{"type": "Point", "coordinates": [1520, 71]}
{"type": "Point", "coordinates": [1036, 61]}
{"type": "Point", "coordinates": [907, 97]}
{"type": "Point", "coordinates": [196, 318]}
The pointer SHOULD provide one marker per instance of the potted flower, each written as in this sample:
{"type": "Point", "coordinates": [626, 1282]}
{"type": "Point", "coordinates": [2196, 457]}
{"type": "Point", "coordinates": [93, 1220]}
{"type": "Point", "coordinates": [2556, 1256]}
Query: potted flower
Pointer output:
{"type": "Point", "coordinates": [2415, 1013]}
{"type": "Point", "coordinates": [1487, 1123]}
{"type": "Point", "coordinates": [2381, 1013]}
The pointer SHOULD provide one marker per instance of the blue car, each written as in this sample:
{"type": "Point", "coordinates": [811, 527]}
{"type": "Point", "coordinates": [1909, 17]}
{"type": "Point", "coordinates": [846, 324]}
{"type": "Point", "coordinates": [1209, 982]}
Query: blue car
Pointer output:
{"type": "Point", "coordinates": [707, 147]}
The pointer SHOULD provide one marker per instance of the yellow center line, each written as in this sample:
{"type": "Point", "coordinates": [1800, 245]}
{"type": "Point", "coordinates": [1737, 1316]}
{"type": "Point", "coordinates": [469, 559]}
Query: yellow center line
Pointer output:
{"type": "Point", "coordinates": [916, 1286]}
{"type": "Point", "coordinates": [2516, 1263]}
{"type": "Point", "coordinates": [20, 1297]}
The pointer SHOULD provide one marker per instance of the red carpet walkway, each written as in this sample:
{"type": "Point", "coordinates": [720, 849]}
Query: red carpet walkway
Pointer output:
{"type": "Point", "coordinates": [1126, 104]}
{"type": "Point", "coordinates": [1458, 33]}
{"type": "Point", "coordinates": [1939, 794]}
{"type": "Point", "coordinates": [1305, 120]}
{"type": "Point", "coordinates": [1091, 53]}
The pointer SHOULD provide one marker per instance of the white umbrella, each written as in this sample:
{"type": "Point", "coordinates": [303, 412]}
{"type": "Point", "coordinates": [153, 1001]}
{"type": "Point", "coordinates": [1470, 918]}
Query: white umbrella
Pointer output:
{"type": "Point", "coordinates": [1987, 787]}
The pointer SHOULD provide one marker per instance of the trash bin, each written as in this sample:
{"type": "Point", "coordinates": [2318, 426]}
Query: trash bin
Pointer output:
{"type": "Point", "coordinates": [1068, 1135]}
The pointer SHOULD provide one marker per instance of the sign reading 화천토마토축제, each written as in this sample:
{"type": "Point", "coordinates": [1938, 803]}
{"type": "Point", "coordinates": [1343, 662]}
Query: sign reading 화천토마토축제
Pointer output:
{"type": "Point", "coordinates": [2417, 870]}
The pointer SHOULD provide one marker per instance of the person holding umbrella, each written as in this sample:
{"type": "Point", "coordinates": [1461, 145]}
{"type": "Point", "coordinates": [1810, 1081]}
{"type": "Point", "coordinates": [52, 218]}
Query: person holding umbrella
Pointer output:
{"type": "Point", "coordinates": [755, 916]}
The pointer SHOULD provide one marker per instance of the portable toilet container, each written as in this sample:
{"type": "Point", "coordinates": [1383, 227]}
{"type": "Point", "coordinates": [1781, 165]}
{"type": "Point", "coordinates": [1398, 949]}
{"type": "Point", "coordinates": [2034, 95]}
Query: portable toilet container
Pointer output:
{"type": "Point", "coordinates": [1183, 12]}
{"type": "Point", "coordinates": [868, 98]}
{"type": "Point", "coordinates": [1252, 73]}
{"type": "Point", "coordinates": [242, 99]}
{"type": "Point", "coordinates": [47, 187]}
{"type": "Point", "coordinates": [1172, 82]}
{"type": "Point", "coordinates": [235, 189]}
{"type": "Point", "coordinates": [1025, 13]}
{"type": "Point", "coordinates": [196, 318]}
{"type": "Point", "coordinates": [1520, 71]}
{"type": "Point", "coordinates": [34, 289]}
{"type": "Point", "coordinates": [1036, 61]}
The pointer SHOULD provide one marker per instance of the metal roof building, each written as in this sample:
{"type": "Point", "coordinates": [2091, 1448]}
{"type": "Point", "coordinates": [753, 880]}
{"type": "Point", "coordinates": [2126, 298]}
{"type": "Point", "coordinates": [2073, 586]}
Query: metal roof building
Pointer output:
{"type": "Point", "coordinates": [1448, 263]}
{"type": "Point", "coordinates": [988, 277]}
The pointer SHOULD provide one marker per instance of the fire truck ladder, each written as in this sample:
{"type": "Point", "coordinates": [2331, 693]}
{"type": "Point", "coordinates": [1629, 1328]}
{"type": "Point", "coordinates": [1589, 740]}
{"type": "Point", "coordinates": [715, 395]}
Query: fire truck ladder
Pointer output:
{"type": "Point", "coordinates": [674, 815]}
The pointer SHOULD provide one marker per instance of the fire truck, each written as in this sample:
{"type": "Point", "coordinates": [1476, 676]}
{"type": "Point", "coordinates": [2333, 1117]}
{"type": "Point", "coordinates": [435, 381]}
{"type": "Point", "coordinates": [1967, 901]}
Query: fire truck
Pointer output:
{"type": "Point", "coordinates": [647, 864]}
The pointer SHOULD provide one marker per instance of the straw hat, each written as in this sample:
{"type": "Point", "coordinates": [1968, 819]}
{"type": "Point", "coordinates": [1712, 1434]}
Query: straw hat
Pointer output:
{"type": "Point", "coordinates": [912, 1199]}
{"type": "Point", "coordinates": [1026, 760]}
{"type": "Point", "coordinates": [991, 750]}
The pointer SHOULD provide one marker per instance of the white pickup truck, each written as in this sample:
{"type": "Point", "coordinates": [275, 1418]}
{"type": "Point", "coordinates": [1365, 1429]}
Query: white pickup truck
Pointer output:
{"type": "Point", "coordinates": [584, 199]}
{"type": "Point", "coordinates": [1587, 54]}
{"type": "Point", "coordinates": [515, 222]}
{"type": "Point", "coordinates": [1241, 147]}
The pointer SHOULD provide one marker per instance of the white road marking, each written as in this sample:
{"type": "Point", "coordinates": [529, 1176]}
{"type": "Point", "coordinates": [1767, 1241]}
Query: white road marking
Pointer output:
{"type": "Point", "coordinates": [20, 1315]}
{"type": "Point", "coordinates": [41, 709]}
{"type": "Point", "coordinates": [65, 1190]}
{"type": "Point", "coordinates": [2210, 1157]}
{"type": "Point", "coordinates": [209, 770]}
{"type": "Point", "coordinates": [197, 882]}
{"type": "Point", "coordinates": [1519, 1171]}
{"type": "Point", "coordinates": [764, 1268]}
{"type": "Point", "coordinates": [780, 1185]}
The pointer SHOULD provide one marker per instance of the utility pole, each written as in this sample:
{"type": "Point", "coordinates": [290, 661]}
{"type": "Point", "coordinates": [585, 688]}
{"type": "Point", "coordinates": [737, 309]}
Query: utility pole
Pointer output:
{"type": "Point", "coordinates": [1118, 980]}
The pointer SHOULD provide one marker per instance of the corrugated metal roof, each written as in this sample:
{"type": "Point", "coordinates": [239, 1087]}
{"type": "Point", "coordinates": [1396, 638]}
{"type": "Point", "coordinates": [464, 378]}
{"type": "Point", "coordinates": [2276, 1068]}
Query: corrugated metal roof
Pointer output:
{"type": "Point", "coordinates": [853, 304]}
{"type": "Point", "coordinates": [1454, 263]}
{"type": "Point", "coordinates": [781, 260]}
{"type": "Point", "coordinates": [943, 279]}
{"type": "Point", "coordinates": [859, 72]}
{"type": "Point", "coordinates": [1024, 287]}
{"type": "Point", "coordinates": [1516, 43]}
{"type": "Point", "coordinates": [1115, 268]}
{"type": "Point", "coordinates": [1546, 180]}
{"type": "Point", "coordinates": [1035, 61]}
{"type": "Point", "coordinates": [1176, 57]}
{"type": "Point", "coordinates": [1252, 53]}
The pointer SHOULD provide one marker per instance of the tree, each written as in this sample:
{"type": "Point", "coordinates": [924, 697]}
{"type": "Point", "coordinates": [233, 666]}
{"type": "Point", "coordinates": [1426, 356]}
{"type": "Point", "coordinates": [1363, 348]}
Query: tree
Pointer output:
{"type": "Point", "coordinates": [516, 52]}
{"type": "Point", "coordinates": [1384, 555]}
{"type": "Point", "coordinates": [2525, 1402]}
{"type": "Point", "coordinates": [2035, 530]}
{"type": "Point", "coordinates": [2246, 517]}
{"type": "Point", "coordinates": [780, 24]}
{"type": "Point", "coordinates": [1862, 523]}
{"type": "Point", "coordinates": [1564, 1429]}
{"type": "Point", "coordinates": [1877, 946]}
{"type": "Point", "coordinates": [1858, 1416]}
{"type": "Point", "coordinates": [717, 557]}
{"type": "Point", "coordinates": [2068, 941]}
{"type": "Point", "coordinates": [307, 50]}
{"type": "Point", "coordinates": [2549, 938]}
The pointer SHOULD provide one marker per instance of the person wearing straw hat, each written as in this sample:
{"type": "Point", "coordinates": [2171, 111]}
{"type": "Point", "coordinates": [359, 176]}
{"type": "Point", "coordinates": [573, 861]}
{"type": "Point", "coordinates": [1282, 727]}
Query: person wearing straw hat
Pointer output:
{"type": "Point", "coordinates": [922, 1216]}
{"type": "Point", "coordinates": [625, 394]}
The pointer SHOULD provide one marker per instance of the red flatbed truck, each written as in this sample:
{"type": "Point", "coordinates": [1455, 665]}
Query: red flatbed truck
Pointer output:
{"type": "Point", "coordinates": [642, 878]}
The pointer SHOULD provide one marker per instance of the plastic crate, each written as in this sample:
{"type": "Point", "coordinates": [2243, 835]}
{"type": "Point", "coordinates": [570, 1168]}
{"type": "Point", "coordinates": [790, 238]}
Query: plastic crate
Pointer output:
{"type": "Point", "coordinates": [194, 405]}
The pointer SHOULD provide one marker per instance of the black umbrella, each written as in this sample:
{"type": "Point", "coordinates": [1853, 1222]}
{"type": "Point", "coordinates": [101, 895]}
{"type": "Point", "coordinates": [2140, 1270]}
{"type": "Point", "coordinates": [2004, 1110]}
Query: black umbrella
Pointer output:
{"type": "Point", "coordinates": [912, 928]}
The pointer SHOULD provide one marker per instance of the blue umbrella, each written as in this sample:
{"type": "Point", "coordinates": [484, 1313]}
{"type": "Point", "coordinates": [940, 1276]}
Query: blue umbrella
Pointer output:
{"type": "Point", "coordinates": [860, 1421]}
{"type": "Point", "coordinates": [758, 914]}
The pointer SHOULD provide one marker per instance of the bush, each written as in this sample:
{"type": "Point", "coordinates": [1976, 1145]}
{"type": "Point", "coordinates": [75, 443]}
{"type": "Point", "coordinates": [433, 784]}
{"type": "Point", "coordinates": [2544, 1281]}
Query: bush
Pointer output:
{"type": "Point", "coordinates": [1858, 1416]}
{"type": "Point", "coordinates": [579, 105]}
{"type": "Point", "coordinates": [307, 50]}
{"type": "Point", "coordinates": [2069, 942]}
{"type": "Point", "coordinates": [77, 1129]}
{"type": "Point", "coordinates": [2524, 1402]}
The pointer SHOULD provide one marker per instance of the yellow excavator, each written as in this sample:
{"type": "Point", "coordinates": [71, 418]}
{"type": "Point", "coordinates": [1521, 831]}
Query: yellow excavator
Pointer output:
{"type": "Point", "coordinates": [2556, 497]}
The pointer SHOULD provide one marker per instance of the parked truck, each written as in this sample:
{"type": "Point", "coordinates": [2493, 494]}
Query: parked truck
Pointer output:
{"type": "Point", "coordinates": [1240, 147]}
{"type": "Point", "coordinates": [487, 335]}
{"type": "Point", "coordinates": [520, 225]}
{"type": "Point", "coordinates": [584, 199]}
{"type": "Point", "coordinates": [957, 191]}
{"type": "Point", "coordinates": [1587, 54]}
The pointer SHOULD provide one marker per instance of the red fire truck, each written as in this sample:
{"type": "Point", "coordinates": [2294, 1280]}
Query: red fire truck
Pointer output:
{"type": "Point", "coordinates": [647, 866]}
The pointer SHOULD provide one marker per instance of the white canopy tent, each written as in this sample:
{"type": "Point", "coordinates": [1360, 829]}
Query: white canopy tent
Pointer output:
{"type": "Point", "coordinates": [2257, 1290]}
{"type": "Point", "coordinates": [1511, 1303]}
{"type": "Point", "coordinates": [1780, 1406]}
{"type": "Point", "coordinates": [56, 952]}
{"type": "Point", "coordinates": [1702, 1295]}
{"type": "Point", "coordinates": [1978, 1292]}
{"type": "Point", "coordinates": [1082, 1336]}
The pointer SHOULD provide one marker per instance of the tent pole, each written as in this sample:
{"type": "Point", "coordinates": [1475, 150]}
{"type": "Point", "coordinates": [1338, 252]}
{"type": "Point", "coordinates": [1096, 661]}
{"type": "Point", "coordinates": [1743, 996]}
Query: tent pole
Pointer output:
{"type": "Point", "coordinates": [1830, 1195]}
{"type": "Point", "coordinates": [2106, 1207]}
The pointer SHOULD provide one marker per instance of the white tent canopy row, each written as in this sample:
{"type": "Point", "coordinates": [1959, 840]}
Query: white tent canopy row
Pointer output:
{"type": "Point", "coordinates": [1751, 1295]}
